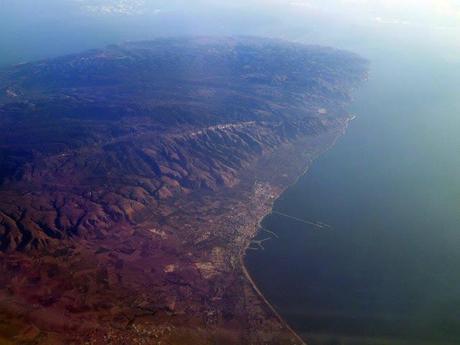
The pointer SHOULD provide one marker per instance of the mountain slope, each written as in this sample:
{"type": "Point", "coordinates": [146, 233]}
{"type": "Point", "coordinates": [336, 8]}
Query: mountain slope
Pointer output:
{"type": "Point", "coordinates": [132, 178]}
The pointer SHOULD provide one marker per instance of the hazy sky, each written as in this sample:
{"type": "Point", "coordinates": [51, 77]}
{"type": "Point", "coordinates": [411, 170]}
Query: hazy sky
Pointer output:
{"type": "Point", "coordinates": [417, 12]}
{"type": "Point", "coordinates": [32, 29]}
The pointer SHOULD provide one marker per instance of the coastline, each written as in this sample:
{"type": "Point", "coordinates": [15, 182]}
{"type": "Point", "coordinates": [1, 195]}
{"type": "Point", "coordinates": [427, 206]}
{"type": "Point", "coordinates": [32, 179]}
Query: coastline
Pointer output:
{"type": "Point", "coordinates": [253, 284]}
{"type": "Point", "coordinates": [242, 254]}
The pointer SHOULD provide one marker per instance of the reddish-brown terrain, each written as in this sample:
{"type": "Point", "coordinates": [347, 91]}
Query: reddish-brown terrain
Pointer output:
{"type": "Point", "coordinates": [133, 178]}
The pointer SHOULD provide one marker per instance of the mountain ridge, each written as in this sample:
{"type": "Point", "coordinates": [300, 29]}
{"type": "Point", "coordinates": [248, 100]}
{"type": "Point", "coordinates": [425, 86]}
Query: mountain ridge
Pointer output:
{"type": "Point", "coordinates": [149, 154]}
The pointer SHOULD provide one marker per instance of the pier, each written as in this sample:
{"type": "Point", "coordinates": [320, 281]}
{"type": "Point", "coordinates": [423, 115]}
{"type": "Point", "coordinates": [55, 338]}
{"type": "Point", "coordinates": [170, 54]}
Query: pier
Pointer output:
{"type": "Point", "coordinates": [319, 225]}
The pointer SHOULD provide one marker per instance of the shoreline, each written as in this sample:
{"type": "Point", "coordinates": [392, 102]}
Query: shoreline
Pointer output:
{"type": "Point", "coordinates": [254, 286]}
{"type": "Point", "coordinates": [242, 254]}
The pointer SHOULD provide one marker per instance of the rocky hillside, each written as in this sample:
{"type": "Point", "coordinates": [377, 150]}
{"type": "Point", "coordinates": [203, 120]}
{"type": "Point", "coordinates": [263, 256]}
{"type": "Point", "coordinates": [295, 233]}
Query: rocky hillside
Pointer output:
{"type": "Point", "coordinates": [93, 138]}
{"type": "Point", "coordinates": [131, 169]}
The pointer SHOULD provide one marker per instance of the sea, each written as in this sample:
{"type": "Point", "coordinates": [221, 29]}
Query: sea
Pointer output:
{"type": "Point", "coordinates": [386, 268]}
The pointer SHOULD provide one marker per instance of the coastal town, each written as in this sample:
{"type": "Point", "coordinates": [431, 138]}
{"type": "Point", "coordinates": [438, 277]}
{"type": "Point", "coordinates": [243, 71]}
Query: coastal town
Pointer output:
{"type": "Point", "coordinates": [130, 223]}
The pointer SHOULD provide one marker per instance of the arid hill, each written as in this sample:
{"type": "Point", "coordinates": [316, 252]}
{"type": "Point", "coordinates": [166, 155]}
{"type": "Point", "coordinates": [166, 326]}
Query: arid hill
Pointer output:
{"type": "Point", "coordinates": [132, 179]}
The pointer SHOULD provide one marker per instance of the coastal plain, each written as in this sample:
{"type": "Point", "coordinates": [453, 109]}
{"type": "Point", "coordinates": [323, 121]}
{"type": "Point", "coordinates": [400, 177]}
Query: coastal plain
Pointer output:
{"type": "Point", "coordinates": [133, 179]}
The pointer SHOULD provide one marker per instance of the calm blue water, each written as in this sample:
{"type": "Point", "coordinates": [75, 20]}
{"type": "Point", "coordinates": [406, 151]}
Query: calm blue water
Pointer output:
{"type": "Point", "coordinates": [388, 272]}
